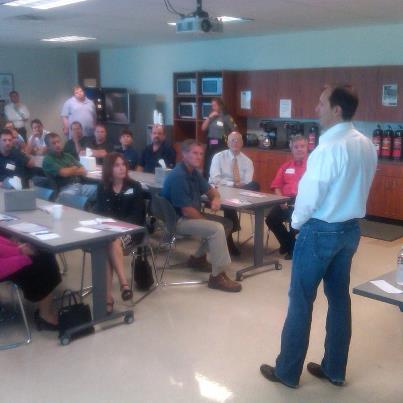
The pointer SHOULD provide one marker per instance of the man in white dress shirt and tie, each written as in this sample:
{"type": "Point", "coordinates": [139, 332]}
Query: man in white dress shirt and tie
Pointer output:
{"type": "Point", "coordinates": [233, 168]}
{"type": "Point", "coordinates": [332, 195]}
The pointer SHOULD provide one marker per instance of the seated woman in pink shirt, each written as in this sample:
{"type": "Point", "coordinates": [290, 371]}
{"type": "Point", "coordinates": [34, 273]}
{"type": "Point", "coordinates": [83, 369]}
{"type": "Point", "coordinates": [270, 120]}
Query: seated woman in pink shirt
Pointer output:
{"type": "Point", "coordinates": [36, 273]}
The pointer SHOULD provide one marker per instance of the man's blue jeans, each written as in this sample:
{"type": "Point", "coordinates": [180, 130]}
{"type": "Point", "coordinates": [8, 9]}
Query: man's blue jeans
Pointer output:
{"type": "Point", "coordinates": [322, 251]}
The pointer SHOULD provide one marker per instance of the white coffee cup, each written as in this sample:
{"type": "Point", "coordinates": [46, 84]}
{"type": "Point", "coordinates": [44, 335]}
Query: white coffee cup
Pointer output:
{"type": "Point", "coordinates": [57, 211]}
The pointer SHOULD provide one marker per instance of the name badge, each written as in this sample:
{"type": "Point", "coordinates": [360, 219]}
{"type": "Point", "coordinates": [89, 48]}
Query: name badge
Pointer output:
{"type": "Point", "coordinates": [290, 171]}
{"type": "Point", "coordinates": [10, 167]}
{"type": "Point", "coordinates": [128, 192]}
{"type": "Point", "coordinates": [219, 123]}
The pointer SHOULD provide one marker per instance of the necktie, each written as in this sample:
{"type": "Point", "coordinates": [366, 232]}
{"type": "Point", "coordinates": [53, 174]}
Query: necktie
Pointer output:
{"type": "Point", "coordinates": [235, 171]}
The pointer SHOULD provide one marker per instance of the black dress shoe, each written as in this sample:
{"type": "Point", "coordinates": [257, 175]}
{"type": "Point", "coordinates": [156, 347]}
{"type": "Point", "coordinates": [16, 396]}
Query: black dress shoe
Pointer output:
{"type": "Point", "coordinates": [234, 251]}
{"type": "Point", "coordinates": [316, 370]}
{"type": "Point", "coordinates": [42, 324]}
{"type": "Point", "coordinates": [268, 372]}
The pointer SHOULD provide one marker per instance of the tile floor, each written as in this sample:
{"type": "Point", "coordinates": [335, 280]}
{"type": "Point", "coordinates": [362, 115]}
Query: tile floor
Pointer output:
{"type": "Point", "coordinates": [193, 344]}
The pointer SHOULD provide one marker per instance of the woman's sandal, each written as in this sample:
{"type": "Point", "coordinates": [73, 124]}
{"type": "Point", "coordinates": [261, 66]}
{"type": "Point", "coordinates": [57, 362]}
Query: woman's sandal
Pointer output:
{"type": "Point", "coordinates": [126, 292]}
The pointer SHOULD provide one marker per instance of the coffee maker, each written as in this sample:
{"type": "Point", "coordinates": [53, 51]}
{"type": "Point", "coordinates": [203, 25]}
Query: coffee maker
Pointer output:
{"type": "Point", "coordinates": [293, 128]}
{"type": "Point", "coordinates": [269, 134]}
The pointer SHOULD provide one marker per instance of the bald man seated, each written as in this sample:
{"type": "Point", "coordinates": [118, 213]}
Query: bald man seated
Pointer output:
{"type": "Point", "coordinates": [233, 168]}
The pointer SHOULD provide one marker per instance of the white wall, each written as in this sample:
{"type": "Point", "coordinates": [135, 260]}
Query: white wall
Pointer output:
{"type": "Point", "coordinates": [149, 69]}
{"type": "Point", "coordinates": [44, 79]}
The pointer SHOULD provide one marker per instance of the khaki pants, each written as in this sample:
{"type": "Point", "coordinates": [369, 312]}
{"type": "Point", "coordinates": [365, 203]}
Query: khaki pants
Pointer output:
{"type": "Point", "coordinates": [213, 232]}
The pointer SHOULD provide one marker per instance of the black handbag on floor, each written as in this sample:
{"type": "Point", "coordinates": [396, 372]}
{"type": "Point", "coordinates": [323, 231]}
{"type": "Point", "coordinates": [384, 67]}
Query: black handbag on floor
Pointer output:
{"type": "Point", "coordinates": [72, 314]}
{"type": "Point", "coordinates": [143, 274]}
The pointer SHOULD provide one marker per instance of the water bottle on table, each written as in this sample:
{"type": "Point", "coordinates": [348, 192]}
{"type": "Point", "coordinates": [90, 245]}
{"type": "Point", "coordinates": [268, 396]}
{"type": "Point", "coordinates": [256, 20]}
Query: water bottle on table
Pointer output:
{"type": "Point", "coordinates": [399, 270]}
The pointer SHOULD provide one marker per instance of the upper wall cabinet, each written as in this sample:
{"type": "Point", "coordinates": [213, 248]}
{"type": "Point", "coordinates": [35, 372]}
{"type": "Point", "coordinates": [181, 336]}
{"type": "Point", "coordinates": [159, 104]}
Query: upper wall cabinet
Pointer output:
{"type": "Point", "coordinates": [389, 75]}
{"type": "Point", "coordinates": [304, 86]}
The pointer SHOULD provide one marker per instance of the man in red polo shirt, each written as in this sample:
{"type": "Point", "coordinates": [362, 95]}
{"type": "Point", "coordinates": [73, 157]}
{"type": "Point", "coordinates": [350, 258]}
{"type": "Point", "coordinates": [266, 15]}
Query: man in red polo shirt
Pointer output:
{"type": "Point", "coordinates": [286, 184]}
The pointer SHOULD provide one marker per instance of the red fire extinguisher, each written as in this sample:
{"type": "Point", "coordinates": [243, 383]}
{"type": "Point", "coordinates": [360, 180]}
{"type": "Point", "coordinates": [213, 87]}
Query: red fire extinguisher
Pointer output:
{"type": "Point", "coordinates": [386, 150]}
{"type": "Point", "coordinates": [397, 144]}
{"type": "Point", "coordinates": [377, 139]}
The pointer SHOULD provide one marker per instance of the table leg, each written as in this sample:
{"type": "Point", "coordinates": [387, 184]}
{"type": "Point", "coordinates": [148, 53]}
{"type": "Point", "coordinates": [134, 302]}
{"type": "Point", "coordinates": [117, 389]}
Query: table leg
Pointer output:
{"type": "Point", "coordinates": [98, 268]}
{"type": "Point", "coordinates": [259, 234]}
{"type": "Point", "coordinates": [258, 248]}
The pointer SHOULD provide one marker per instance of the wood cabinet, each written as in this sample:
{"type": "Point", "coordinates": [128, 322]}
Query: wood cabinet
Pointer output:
{"type": "Point", "coordinates": [386, 195]}
{"type": "Point", "coordinates": [303, 87]}
{"type": "Point", "coordinates": [190, 128]}
{"type": "Point", "coordinates": [389, 75]}
{"type": "Point", "coordinates": [266, 163]}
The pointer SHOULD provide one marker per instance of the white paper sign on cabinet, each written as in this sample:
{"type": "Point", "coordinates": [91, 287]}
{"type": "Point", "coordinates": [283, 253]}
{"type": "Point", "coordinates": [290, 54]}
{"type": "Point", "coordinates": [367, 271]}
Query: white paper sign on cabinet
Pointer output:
{"type": "Point", "coordinates": [285, 108]}
{"type": "Point", "coordinates": [246, 97]}
{"type": "Point", "coordinates": [389, 95]}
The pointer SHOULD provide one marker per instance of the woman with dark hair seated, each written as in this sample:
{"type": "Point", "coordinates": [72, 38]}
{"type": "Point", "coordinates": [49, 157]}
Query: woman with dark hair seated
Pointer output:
{"type": "Point", "coordinates": [121, 198]}
{"type": "Point", "coordinates": [36, 273]}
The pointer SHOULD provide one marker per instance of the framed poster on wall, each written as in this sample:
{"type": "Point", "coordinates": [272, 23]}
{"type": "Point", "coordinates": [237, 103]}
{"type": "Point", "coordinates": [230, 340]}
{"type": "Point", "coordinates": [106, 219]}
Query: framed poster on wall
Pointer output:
{"type": "Point", "coordinates": [6, 85]}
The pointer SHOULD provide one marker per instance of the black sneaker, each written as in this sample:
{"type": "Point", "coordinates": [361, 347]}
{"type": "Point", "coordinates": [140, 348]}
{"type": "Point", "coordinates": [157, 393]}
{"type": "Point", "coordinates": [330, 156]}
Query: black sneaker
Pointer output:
{"type": "Point", "coordinates": [268, 372]}
{"type": "Point", "coordinates": [316, 370]}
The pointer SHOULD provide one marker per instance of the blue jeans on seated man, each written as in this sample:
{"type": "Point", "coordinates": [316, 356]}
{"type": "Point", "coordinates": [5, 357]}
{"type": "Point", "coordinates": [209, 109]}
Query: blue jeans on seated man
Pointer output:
{"type": "Point", "coordinates": [80, 189]}
{"type": "Point", "coordinates": [322, 251]}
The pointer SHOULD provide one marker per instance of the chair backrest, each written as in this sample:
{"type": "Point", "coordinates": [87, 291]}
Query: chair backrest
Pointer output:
{"type": "Point", "coordinates": [44, 193]}
{"type": "Point", "coordinates": [164, 211]}
{"type": "Point", "coordinates": [71, 200]}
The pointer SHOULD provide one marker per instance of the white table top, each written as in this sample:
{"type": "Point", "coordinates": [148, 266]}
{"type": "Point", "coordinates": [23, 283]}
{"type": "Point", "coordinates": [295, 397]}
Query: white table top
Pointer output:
{"type": "Point", "coordinates": [65, 227]}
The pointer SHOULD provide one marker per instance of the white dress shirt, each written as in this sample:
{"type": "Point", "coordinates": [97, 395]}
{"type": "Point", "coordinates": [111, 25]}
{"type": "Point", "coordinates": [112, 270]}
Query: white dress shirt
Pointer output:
{"type": "Point", "coordinates": [338, 177]}
{"type": "Point", "coordinates": [17, 114]}
{"type": "Point", "coordinates": [221, 168]}
{"type": "Point", "coordinates": [39, 141]}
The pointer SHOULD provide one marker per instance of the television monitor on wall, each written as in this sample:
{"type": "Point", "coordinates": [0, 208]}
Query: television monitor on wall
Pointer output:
{"type": "Point", "coordinates": [117, 105]}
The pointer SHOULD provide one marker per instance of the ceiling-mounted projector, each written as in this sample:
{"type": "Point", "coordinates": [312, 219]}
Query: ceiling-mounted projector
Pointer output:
{"type": "Point", "coordinates": [199, 24]}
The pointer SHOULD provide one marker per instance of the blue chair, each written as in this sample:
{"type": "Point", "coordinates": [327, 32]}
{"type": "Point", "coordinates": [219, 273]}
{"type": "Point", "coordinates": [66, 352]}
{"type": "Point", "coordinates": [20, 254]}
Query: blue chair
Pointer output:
{"type": "Point", "coordinates": [44, 193]}
{"type": "Point", "coordinates": [71, 200]}
{"type": "Point", "coordinates": [5, 316]}
{"type": "Point", "coordinates": [166, 214]}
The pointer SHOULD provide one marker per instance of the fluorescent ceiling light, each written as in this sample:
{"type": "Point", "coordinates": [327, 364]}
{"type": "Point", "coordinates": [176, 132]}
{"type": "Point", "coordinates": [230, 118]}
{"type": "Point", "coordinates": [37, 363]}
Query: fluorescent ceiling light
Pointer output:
{"type": "Point", "coordinates": [225, 18]}
{"type": "Point", "coordinates": [41, 4]}
{"type": "Point", "coordinates": [72, 38]}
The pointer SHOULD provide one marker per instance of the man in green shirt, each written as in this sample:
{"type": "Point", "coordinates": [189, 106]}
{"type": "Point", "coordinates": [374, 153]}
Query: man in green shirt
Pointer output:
{"type": "Point", "coordinates": [65, 170]}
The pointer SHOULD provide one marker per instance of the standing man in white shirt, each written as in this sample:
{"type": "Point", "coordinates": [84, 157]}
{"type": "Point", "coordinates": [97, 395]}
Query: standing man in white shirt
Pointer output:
{"type": "Point", "coordinates": [79, 108]}
{"type": "Point", "coordinates": [17, 113]}
{"type": "Point", "coordinates": [332, 195]}
{"type": "Point", "coordinates": [233, 168]}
